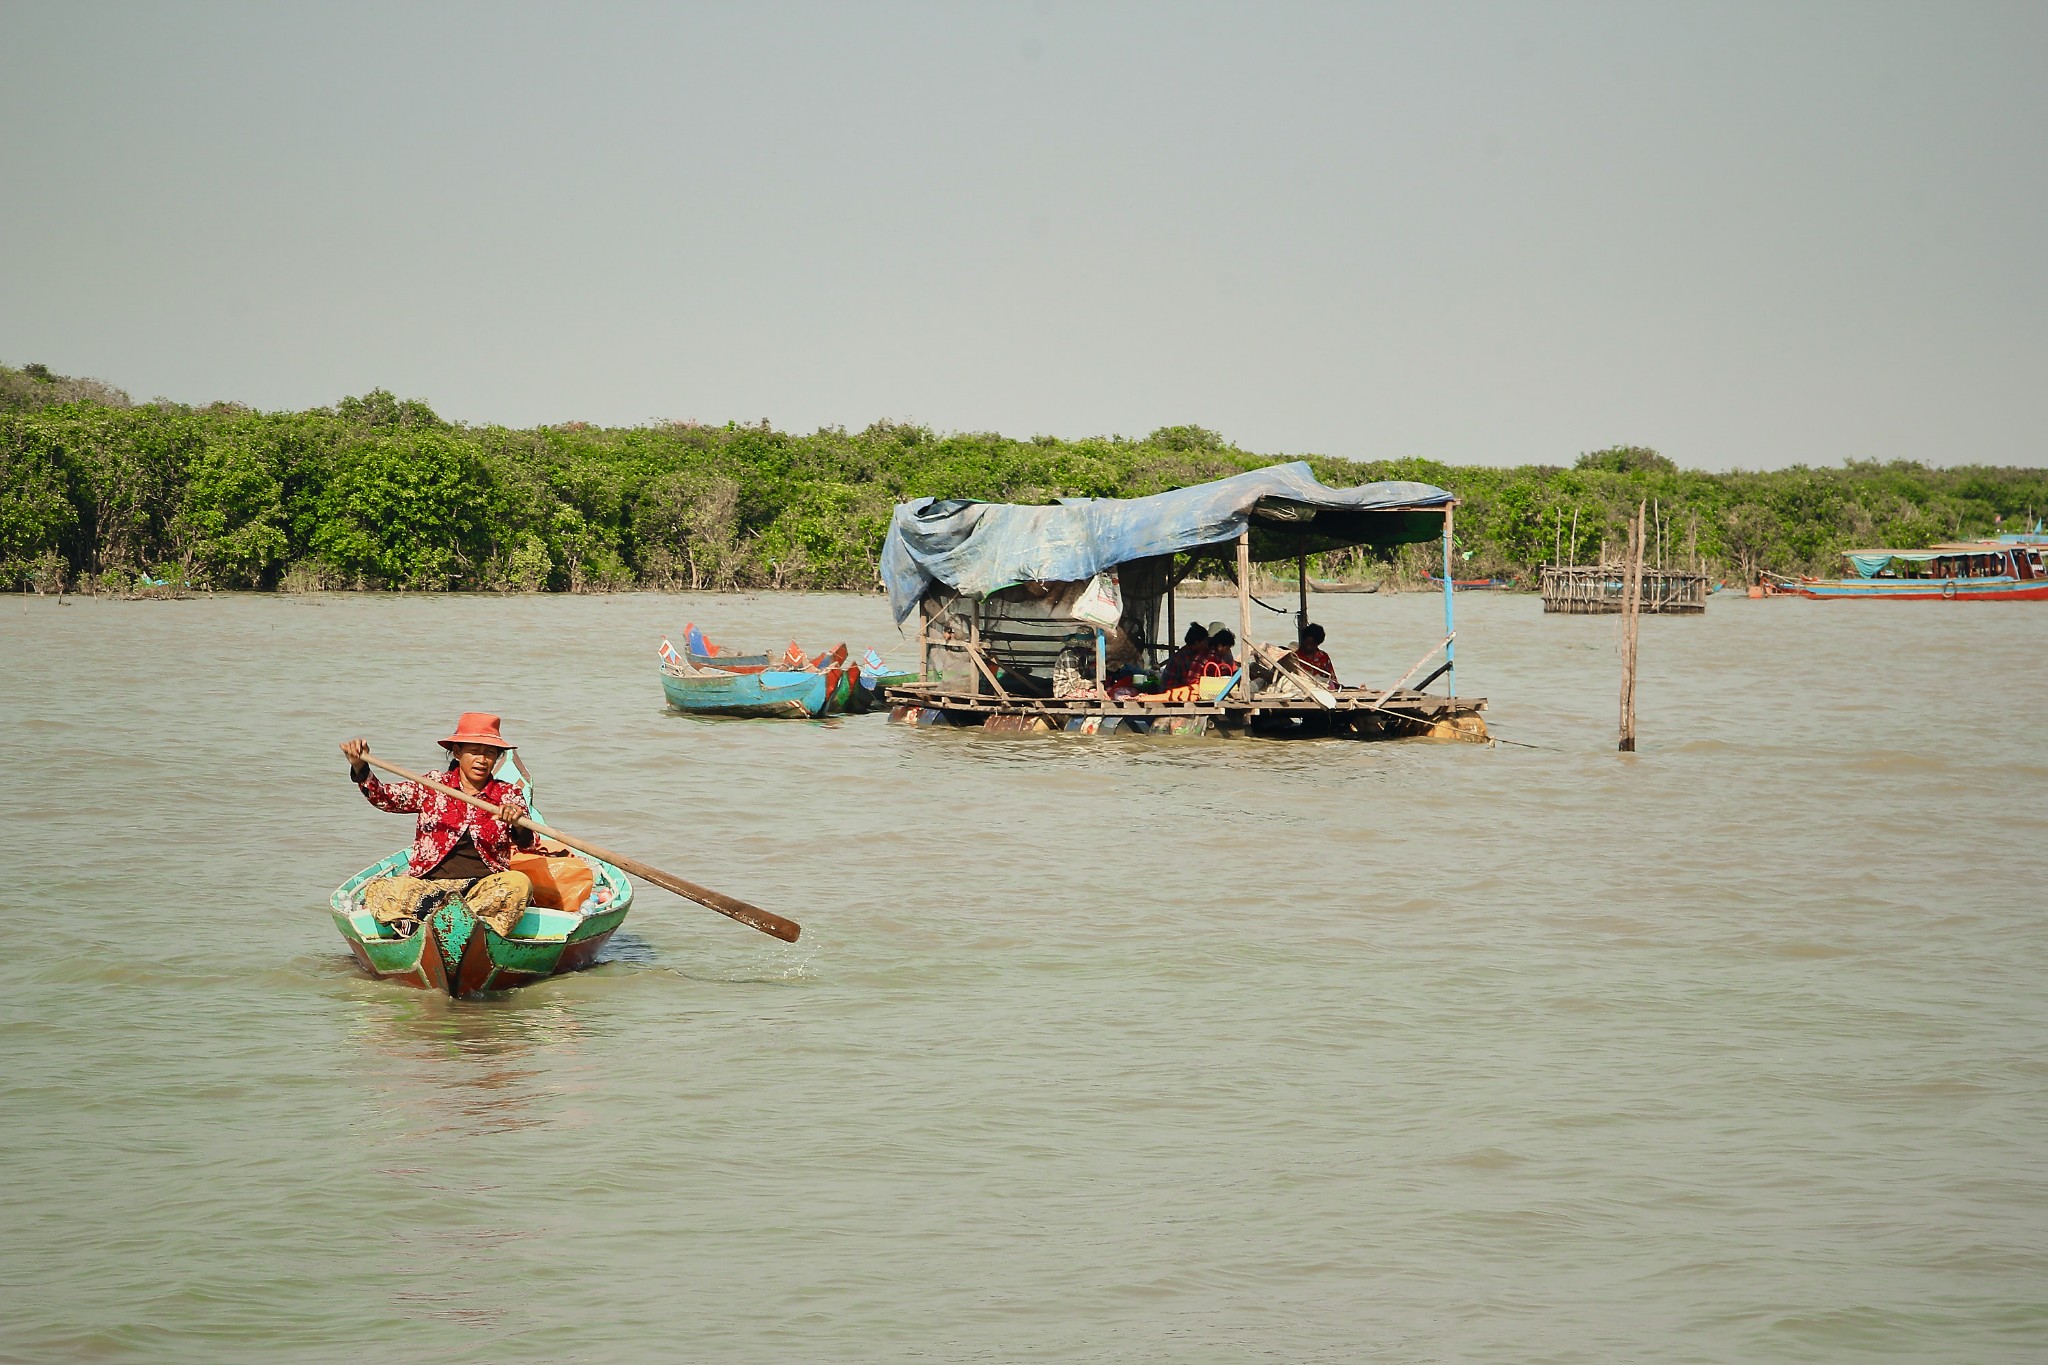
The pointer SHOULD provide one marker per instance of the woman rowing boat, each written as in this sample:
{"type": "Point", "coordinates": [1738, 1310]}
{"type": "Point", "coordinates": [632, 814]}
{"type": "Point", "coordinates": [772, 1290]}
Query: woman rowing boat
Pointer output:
{"type": "Point", "coordinates": [457, 849]}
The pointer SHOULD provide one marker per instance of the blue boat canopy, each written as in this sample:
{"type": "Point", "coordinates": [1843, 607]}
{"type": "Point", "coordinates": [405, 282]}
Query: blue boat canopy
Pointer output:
{"type": "Point", "coordinates": [1871, 563]}
{"type": "Point", "coordinates": [980, 548]}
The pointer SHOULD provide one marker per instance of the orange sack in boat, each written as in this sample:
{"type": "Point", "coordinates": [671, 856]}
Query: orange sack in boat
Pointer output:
{"type": "Point", "coordinates": [558, 883]}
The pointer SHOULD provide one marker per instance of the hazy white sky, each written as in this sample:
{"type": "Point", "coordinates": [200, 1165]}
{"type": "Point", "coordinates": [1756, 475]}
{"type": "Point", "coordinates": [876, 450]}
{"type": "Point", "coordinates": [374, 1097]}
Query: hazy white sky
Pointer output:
{"type": "Point", "coordinates": [1745, 235]}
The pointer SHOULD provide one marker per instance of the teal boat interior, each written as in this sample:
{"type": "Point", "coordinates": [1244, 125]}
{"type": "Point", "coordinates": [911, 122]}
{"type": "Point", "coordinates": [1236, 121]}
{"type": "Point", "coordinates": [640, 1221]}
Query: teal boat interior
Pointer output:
{"type": "Point", "coordinates": [539, 924]}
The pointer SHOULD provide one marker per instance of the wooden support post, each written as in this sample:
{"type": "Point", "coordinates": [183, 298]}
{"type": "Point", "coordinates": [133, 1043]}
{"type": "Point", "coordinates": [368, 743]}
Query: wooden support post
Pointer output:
{"type": "Point", "coordinates": [1172, 591]}
{"type": "Point", "coordinates": [1301, 570]}
{"type": "Point", "coordinates": [1450, 622]}
{"type": "Point", "coordinates": [1244, 599]}
{"type": "Point", "coordinates": [974, 642]}
{"type": "Point", "coordinates": [981, 663]}
{"type": "Point", "coordinates": [1631, 615]}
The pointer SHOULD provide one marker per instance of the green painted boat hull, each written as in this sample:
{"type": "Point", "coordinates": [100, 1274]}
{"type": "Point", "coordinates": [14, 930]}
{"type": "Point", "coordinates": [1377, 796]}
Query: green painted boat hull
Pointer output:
{"type": "Point", "coordinates": [456, 953]}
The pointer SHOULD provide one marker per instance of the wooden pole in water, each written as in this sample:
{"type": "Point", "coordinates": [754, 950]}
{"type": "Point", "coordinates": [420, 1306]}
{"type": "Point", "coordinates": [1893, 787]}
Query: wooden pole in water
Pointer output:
{"type": "Point", "coordinates": [1631, 614]}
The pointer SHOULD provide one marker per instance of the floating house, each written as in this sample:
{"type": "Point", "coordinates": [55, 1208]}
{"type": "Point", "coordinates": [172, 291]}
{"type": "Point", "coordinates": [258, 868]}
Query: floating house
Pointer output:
{"type": "Point", "coordinates": [1000, 592]}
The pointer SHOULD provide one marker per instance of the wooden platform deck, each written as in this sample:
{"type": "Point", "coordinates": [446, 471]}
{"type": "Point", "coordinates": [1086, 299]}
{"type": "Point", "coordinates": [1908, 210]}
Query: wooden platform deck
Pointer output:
{"type": "Point", "coordinates": [1360, 713]}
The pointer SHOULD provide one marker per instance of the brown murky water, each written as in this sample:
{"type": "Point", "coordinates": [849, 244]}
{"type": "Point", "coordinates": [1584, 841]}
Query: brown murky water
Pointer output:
{"type": "Point", "coordinates": [1093, 1049]}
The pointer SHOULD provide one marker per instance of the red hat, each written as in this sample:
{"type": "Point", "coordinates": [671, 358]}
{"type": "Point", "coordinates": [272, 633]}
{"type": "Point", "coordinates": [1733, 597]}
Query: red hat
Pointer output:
{"type": "Point", "coordinates": [477, 727]}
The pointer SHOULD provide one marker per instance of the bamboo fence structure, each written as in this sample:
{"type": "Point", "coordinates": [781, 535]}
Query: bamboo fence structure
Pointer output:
{"type": "Point", "coordinates": [1601, 588]}
{"type": "Point", "coordinates": [1596, 589]}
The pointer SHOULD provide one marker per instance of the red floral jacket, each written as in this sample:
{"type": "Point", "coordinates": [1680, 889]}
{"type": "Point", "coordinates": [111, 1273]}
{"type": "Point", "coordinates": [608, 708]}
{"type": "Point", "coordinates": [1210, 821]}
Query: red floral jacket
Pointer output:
{"type": "Point", "coordinates": [444, 820]}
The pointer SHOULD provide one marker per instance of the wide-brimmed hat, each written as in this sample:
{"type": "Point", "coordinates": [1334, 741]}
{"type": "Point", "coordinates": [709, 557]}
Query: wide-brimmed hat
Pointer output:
{"type": "Point", "coordinates": [1217, 628]}
{"type": "Point", "coordinates": [477, 727]}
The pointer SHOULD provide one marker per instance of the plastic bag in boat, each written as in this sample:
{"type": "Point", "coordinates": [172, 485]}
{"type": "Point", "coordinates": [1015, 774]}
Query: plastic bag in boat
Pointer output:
{"type": "Point", "coordinates": [562, 883]}
{"type": "Point", "coordinates": [1101, 603]}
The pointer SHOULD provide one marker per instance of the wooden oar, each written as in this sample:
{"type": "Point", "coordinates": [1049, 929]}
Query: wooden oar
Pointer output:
{"type": "Point", "coordinates": [1296, 676]}
{"type": "Point", "coordinates": [753, 916]}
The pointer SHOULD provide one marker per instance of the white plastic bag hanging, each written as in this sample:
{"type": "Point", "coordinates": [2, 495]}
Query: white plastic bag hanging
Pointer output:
{"type": "Point", "coordinates": [1101, 603]}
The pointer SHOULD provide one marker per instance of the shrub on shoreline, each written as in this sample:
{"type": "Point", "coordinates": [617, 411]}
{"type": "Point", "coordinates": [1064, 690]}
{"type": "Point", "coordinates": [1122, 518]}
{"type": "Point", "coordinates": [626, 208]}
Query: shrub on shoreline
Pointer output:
{"type": "Point", "coordinates": [381, 492]}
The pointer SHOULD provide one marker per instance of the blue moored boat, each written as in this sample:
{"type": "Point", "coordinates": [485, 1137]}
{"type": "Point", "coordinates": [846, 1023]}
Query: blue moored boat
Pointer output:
{"type": "Point", "coordinates": [771, 692]}
{"type": "Point", "coordinates": [823, 690]}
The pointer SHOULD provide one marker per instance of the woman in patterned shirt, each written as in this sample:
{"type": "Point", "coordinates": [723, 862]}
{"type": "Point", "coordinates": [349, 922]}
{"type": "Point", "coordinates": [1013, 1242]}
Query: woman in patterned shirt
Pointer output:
{"type": "Point", "coordinates": [1309, 654]}
{"type": "Point", "coordinates": [457, 850]}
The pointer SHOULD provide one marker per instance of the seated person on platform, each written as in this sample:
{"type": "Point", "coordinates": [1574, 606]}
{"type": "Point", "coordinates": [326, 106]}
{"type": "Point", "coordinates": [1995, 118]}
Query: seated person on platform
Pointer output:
{"type": "Point", "coordinates": [1120, 659]}
{"type": "Point", "coordinates": [1073, 671]}
{"type": "Point", "coordinates": [1219, 660]}
{"type": "Point", "coordinates": [457, 850]}
{"type": "Point", "coordinates": [1309, 654]}
{"type": "Point", "coordinates": [1176, 673]}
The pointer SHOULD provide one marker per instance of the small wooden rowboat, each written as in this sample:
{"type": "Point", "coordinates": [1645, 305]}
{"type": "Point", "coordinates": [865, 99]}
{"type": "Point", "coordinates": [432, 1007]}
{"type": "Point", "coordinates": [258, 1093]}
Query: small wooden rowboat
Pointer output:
{"type": "Point", "coordinates": [873, 672]}
{"type": "Point", "coordinates": [455, 952]}
{"type": "Point", "coordinates": [701, 652]}
{"type": "Point", "coordinates": [705, 654]}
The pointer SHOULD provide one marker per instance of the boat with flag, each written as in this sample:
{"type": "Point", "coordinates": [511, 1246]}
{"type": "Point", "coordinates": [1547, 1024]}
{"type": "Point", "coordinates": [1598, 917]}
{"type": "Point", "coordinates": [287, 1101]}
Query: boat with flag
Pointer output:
{"type": "Point", "coordinates": [691, 679]}
{"type": "Point", "coordinates": [705, 654]}
{"type": "Point", "coordinates": [2004, 570]}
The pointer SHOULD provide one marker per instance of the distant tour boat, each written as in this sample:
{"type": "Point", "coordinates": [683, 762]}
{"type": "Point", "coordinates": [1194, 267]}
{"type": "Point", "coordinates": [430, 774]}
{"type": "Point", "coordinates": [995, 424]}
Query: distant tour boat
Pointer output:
{"type": "Point", "coordinates": [1966, 571]}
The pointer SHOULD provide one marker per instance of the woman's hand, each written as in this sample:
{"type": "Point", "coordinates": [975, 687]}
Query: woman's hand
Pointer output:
{"type": "Point", "coordinates": [511, 810]}
{"type": "Point", "coordinates": [356, 750]}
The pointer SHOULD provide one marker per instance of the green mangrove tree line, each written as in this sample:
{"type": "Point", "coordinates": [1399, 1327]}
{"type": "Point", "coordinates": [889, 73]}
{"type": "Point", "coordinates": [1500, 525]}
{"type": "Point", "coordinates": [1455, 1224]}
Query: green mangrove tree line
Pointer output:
{"type": "Point", "coordinates": [378, 492]}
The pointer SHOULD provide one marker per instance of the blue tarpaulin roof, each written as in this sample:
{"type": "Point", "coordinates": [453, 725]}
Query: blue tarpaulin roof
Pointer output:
{"type": "Point", "coordinates": [983, 547]}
